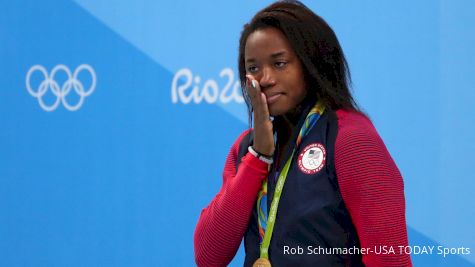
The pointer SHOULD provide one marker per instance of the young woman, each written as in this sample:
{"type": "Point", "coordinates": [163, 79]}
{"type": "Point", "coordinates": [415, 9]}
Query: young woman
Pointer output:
{"type": "Point", "coordinates": [312, 184]}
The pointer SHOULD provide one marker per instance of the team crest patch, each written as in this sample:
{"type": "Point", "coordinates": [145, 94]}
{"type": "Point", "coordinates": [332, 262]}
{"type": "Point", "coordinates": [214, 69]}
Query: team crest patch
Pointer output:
{"type": "Point", "coordinates": [312, 158]}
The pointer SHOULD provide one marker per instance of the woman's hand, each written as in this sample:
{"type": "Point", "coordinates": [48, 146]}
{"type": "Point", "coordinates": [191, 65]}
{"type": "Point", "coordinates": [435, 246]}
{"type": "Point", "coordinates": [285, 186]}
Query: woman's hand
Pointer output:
{"type": "Point", "coordinates": [263, 134]}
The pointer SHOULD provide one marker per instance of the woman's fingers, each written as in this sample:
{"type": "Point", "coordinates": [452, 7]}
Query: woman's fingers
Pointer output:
{"type": "Point", "coordinates": [258, 99]}
{"type": "Point", "coordinates": [251, 87]}
{"type": "Point", "coordinates": [263, 133]}
{"type": "Point", "coordinates": [264, 109]}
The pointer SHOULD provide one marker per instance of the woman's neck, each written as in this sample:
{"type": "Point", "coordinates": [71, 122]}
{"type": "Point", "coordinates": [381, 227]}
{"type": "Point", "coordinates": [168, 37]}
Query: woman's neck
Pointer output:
{"type": "Point", "coordinates": [288, 122]}
{"type": "Point", "coordinates": [285, 127]}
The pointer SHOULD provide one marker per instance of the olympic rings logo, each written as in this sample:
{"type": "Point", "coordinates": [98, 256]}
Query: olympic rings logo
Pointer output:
{"type": "Point", "coordinates": [61, 92]}
{"type": "Point", "coordinates": [312, 162]}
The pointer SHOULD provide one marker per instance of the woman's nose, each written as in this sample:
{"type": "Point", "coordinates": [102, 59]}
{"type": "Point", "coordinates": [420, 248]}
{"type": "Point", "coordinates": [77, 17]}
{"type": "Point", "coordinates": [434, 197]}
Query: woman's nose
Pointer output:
{"type": "Point", "coordinates": [267, 78]}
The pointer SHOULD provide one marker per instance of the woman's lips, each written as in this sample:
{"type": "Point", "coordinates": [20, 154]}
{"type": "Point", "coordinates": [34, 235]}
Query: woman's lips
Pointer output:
{"type": "Point", "coordinates": [271, 99]}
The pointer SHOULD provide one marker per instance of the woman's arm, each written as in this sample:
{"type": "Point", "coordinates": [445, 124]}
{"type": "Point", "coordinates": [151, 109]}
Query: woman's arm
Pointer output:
{"type": "Point", "coordinates": [372, 189]}
{"type": "Point", "coordinates": [223, 223]}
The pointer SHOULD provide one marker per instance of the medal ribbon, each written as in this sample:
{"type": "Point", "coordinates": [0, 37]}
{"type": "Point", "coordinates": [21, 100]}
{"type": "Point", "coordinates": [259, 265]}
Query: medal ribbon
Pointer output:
{"type": "Point", "coordinates": [265, 222]}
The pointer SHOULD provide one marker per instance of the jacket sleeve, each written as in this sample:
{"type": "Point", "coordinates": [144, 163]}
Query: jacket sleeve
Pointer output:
{"type": "Point", "coordinates": [372, 189]}
{"type": "Point", "coordinates": [223, 222]}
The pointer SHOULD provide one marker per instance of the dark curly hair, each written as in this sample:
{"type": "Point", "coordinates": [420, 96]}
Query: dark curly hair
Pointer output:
{"type": "Point", "coordinates": [317, 47]}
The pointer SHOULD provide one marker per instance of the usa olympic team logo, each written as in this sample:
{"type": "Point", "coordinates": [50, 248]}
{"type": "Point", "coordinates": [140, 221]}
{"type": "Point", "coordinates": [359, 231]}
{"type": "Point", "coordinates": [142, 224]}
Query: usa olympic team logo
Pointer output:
{"type": "Point", "coordinates": [312, 158]}
{"type": "Point", "coordinates": [60, 89]}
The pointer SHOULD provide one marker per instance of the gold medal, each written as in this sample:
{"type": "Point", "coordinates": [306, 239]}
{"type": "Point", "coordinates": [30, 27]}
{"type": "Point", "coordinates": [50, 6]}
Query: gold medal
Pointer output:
{"type": "Point", "coordinates": [262, 262]}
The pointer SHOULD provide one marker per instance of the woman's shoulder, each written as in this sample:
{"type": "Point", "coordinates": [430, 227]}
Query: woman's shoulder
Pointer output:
{"type": "Point", "coordinates": [244, 136]}
{"type": "Point", "coordinates": [355, 129]}
{"type": "Point", "coordinates": [360, 153]}
{"type": "Point", "coordinates": [242, 141]}
{"type": "Point", "coordinates": [353, 121]}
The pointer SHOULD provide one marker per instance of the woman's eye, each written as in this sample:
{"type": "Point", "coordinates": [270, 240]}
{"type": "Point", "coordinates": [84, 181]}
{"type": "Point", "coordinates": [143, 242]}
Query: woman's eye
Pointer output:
{"type": "Point", "coordinates": [252, 69]}
{"type": "Point", "coordinates": [280, 64]}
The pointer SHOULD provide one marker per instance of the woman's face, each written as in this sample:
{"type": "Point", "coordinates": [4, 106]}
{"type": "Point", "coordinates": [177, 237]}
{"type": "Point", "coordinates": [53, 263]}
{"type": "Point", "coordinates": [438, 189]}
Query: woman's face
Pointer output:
{"type": "Point", "coordinates": [270, 59]}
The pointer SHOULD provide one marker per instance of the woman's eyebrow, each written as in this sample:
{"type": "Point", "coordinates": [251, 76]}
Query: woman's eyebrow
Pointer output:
{"type": "Point", "coordinates": [273, 55]}
{"type": "Point", "coordinates": [278, 54]}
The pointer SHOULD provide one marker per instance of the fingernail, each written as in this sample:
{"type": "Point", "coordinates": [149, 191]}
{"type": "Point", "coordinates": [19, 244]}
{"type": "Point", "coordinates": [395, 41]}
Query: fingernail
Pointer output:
{"type": "Point", "coordinates": [254, 84]}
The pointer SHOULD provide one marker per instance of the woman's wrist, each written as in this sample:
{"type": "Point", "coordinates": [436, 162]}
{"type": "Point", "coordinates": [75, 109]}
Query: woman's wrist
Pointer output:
{"type": "Point", "coordinates": [263, 152]}
{"type": "Point", "coordinates": [265, 158]}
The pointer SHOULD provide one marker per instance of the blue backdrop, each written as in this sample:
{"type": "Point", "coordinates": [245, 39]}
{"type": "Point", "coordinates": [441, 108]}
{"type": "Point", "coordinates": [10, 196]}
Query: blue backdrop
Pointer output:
{"type": "Point", "coordinates": [116, 118]}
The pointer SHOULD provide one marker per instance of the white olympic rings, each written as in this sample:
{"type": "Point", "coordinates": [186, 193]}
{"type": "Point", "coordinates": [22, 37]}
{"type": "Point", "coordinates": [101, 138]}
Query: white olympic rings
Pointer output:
{"type": "Point", "coordinates": [61, 92]}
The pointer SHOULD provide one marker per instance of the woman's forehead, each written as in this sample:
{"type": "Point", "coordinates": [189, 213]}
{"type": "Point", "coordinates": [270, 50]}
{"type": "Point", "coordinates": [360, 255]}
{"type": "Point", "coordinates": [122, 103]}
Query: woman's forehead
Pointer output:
{"type": "Point", "coordinates": [267, 42]}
